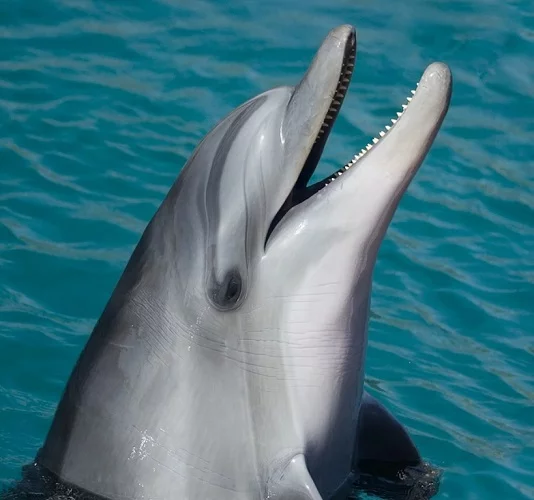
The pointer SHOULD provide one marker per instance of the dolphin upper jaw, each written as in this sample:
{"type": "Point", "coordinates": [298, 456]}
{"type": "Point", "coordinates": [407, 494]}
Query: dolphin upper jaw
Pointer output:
{"type": "Point", "coordinates": [310, 113]}
{"type": "Point", "coordinates": [317, 98]}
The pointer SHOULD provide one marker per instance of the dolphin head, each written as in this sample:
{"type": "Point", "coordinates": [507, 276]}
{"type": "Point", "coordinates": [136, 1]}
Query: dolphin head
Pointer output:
{"type": "Point", "coordinates": [286, 267]}
{"type": "Point", "coordinates": [247, 224]}
{"type": "Point", "coordinates": [236, 336]}
{"type": "Point", "coordinates": [248, 172]}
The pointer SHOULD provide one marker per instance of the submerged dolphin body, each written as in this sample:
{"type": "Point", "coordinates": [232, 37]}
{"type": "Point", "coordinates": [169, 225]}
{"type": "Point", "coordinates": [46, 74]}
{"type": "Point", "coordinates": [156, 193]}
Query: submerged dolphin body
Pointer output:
{"type": "Point", "coordinates": [228, 363]}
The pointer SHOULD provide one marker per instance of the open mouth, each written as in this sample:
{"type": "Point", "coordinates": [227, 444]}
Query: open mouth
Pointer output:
{"type": "Point", "coordinates": [301, 191]}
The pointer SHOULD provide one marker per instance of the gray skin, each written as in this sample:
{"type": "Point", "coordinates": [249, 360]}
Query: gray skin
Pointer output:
{"type": "Point", "coordinates": [228, 363]}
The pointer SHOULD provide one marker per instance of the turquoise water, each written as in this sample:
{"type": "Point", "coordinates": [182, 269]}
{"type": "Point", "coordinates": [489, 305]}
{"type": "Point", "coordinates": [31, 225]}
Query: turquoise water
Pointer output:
{"type": "Point", "coordinates": [102, 102]}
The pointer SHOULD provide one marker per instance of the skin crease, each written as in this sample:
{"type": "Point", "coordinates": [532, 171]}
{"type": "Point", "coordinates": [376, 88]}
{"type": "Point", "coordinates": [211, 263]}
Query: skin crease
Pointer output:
{"type": "Point", "coordinates": [228, 362]}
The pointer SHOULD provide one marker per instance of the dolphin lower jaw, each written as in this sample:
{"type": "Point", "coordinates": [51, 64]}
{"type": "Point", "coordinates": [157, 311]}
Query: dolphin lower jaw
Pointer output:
{"type": "Point", "coordinates": [369, 146]}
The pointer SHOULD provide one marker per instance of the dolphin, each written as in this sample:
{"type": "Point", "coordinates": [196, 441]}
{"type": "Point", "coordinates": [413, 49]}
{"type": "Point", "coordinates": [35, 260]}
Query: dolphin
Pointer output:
{"type": "Point", "coordinates": [228, 363]}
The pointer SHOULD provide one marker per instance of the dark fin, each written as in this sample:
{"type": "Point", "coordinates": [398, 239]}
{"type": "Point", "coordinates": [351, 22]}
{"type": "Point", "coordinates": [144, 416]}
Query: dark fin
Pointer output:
{"type": "Point", "coordinates": [381, 437]}
{"type": "Point", "coordinates": [293, 482]}
{"type": "Point", "coordinates": [386, 459]}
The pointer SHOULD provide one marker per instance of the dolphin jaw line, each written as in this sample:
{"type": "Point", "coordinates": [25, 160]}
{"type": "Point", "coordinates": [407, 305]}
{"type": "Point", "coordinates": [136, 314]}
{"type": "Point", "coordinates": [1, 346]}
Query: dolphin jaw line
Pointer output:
{"type": "Point", "coordinates": [370, 146]}
{"type": "Point", "coordinates": [341, 91]}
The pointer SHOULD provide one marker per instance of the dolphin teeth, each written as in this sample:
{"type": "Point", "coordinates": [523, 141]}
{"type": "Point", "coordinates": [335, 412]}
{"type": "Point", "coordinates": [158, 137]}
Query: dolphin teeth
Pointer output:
{"type": "Point", "coordinates": [336, 103]}
{"type": "Point", "coordinates": [339, 94]}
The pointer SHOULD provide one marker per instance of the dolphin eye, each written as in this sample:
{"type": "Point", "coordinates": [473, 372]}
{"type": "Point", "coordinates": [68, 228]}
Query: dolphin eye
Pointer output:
{"type": "Point", "coordinates": [226, 295]}
{"type": "Point", "coordinates": [233, 289]}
